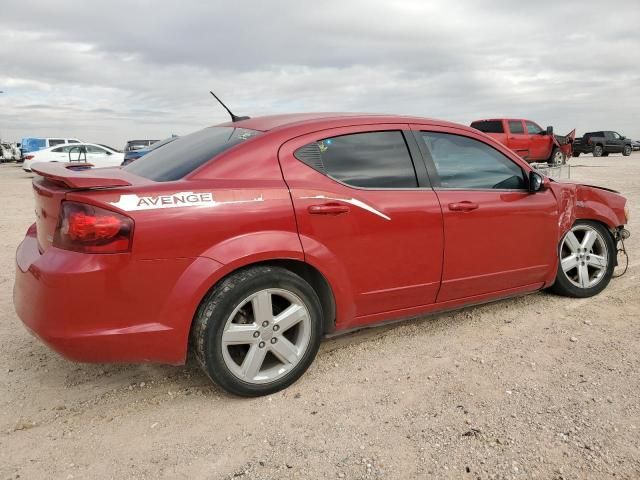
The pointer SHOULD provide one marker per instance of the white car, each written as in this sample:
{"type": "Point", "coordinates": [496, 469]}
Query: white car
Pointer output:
{"type": "Point", "coordinates": [98, 155]}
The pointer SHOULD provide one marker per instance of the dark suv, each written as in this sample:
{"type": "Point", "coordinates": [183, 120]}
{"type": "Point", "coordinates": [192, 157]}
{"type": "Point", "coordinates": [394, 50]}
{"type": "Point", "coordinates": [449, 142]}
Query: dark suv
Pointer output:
{"type": "Point", "coordinates": [602, 143]}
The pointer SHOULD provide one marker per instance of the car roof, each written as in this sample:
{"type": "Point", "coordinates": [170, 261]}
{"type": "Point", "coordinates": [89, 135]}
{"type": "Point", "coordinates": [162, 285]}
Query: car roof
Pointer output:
{"type": "Point", "coordinates": [320, 120]}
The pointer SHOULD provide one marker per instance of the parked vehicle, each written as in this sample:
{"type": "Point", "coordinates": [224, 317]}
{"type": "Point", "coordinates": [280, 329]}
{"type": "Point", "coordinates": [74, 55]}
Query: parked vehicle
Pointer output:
{"type": "Point", "coordinates": [132, 155]}
{"type": "Point", "coordinates": [528, 139]}
{"type": "Point", "coordinates": [250, 240]}
{"type": "Point", "coordinates": [133, 145]}
{"type": "Point", "coordinates": [96, 154]}
{"type": "Point", "coordinates": [9, 152]}
{"type": "Point", "coordinates": [31, 144]}
{"type": "Point", "coordinates": [635, 145]}
{"type": "Point", "coordinates": [602, 143]}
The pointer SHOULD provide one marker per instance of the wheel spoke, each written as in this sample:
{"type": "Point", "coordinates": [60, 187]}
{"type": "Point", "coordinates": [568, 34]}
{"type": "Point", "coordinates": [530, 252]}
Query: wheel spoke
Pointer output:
{"type": "Point", "coordinates": [583, 275]}
{"type": "Point", "coordinates": [589, 239]}
{"type": "Point", "coordinates": [572, 242]}
{"type": "Point", "coordinates": [597, 261]}
{"type": "Point", "coordinates": [569, 262]}
{"type": "Point", "coordinates": [262, 309]}
{"type": "Point", "coordinates": [285, 351]}
{"type": "Point", "coordinates": [253, 361]}
{"type": "Point", "coordinates": [237, 334]}
{"type": "Point", "coordinates": [293, 315]}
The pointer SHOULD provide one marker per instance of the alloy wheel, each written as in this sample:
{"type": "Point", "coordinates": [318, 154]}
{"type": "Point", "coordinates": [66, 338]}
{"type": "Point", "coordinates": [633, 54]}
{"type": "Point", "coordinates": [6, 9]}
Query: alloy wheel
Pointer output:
{"type": "Point", "coordinates": [558, 158]}
{"type": "Point", "coordinates": [266, 335]}
{"type": "Point", "coordinates": [583, 256]}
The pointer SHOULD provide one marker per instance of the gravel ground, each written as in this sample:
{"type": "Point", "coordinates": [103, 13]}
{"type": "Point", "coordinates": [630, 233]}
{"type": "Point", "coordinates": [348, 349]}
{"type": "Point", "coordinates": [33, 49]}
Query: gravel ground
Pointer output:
{"type": "Point", "coordinates": [534, 387]}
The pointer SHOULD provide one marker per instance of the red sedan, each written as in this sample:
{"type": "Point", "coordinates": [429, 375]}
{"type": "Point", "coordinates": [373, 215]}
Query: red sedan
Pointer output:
{"type": "Point", "coordinates": [248, 241]}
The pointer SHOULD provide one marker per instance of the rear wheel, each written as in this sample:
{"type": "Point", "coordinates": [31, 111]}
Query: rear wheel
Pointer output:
{"type": "Point", "coordinates": [598, 151]}
{"type": "Point", "coordinates": [627, 150]}
{"type": "Point", "coordinates": [576, 154]}
{"type": "Point", "coordinates": [258, 331]}
{"type": "Point", "coordinates": [587, 256]}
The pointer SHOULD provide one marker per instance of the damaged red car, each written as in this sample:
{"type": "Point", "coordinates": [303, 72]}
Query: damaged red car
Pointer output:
{"type": "Point", "coordinates": [249, 241]}
{"type": "Point", "coordinates": [529, 140]}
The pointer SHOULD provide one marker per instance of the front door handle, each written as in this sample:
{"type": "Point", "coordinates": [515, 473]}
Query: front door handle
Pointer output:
{"type": "Point", "coordinates": [464, 206]}
{"type": "Point", "coordinates": [328, 209]}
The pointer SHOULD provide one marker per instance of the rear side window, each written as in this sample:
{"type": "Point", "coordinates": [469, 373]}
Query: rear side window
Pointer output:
{"type": "Point", "coordinates": [515, 126]}
{"type": "Point", "coordinates": [369, 160]}
{"type": "Point", "coordinates": [73, 141]}
{"type": "Point", "coordinates": [56, 141]}
{"type": "Point", "coordinates": [185, 154]}
{"type": "Point", "coordinates": [489, 126]}
{"type": "Point", "coordinates": [466, 163]}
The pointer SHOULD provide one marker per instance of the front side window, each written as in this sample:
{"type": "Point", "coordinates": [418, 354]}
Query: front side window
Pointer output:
{"type": "Point", "coordinates": [96, 150]}
{"type": "Point", "coordinates": [616, 135]}
{"type": "Point", "coordinates": [185, 154]}
{"type": "Point", "coordinates": [515, 126]}
{"type": "Point", "coordinates": [368, 160]}
{"type": "Point", "coordinates": [532, 128]}
{"type": "Point", "coordinates": [466, 163]}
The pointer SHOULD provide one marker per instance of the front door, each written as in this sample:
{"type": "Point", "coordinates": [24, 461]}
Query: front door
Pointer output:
{"type": "Point", "coordinates": [367, 217]}
{"type": "Point", "coordinates": [498, 236]}
{"type": "Point", "coordinates": [540, 144]}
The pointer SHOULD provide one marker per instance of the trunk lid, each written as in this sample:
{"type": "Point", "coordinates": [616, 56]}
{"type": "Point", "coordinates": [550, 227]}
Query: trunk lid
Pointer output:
{"type": "Point", "coordinates": [53, 183]}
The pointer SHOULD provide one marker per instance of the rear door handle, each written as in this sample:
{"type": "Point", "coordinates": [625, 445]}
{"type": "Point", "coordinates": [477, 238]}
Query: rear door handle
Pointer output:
{"type": "Point", "coordinates": [328, 209]}
{"type": "Point", "coordinates": [464, 206]}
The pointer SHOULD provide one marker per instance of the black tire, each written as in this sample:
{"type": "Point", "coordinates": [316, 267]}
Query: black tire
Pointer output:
{"type": "Point", "coordinates": [598, 150]}
{"type": "Point", "coordinates": [575, 154]}
{"type": "Point", "coordinates": [626, 151]}
{"type": "Point", "coordinates": [219, 304]}
{"type": "Point", "coordinates": [563, 286]}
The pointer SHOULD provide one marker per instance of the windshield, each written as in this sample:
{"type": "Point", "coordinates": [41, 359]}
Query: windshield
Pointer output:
{"type": "Point", "coordinates": [182, 156]}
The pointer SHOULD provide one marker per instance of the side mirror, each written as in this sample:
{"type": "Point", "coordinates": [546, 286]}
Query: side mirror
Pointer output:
{"type": "Point", "coordinates": [536, 182]}
{"type": "Point", "coordinates": [622, 137]}
{"type": "Point", "coordinates": [549, 130]}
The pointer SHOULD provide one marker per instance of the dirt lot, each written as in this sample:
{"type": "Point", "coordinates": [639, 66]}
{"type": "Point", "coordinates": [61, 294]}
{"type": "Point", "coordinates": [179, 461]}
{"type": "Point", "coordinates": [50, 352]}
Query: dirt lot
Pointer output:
{"type": "Point", "coordinates": [534, 387]}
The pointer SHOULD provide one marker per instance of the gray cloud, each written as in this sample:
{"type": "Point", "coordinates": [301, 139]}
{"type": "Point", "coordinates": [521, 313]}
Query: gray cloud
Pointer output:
{"type": "Point", "coordinates": [109, 71]}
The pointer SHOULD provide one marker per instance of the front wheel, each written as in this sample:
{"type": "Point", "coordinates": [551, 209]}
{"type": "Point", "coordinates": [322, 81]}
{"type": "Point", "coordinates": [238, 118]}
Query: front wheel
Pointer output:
{"type": "Point", "coordinates": [258, 330]}
{"type": "Point", "coordinates": [557, 157]}
{"type": "Point", "coordinates": [587, 255]}
{"type": "Point", "coordinates": [627, 150]}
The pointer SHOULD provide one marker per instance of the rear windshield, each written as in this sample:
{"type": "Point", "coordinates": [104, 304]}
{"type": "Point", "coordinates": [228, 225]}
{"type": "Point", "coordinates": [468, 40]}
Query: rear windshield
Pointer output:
{"type": "Point", "coordinates": [488, 126]}
{"type": "Point", "coordinates": [185, 154]}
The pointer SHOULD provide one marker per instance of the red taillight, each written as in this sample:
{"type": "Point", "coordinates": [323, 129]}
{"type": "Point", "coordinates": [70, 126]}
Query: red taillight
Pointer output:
{"type": "Point", "coordinates": [89, 229]}
{"type": "Point", "coordinates": [32, 231]}
{"type": "Point", "coordinates": [589, 141]}
{"type": "Point", "coordinates": [28, 157]}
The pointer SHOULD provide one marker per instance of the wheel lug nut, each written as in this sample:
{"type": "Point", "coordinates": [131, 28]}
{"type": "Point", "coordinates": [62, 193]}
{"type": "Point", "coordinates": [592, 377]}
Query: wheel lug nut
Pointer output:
{"type": "Point", "coordinates": [256, 334]}
{"type": "Point", "coordinates": [265, 324]}
{"type": "Point", "coordinates": [261, 344]}
{"type": "Point", "coordinates": [274, 340]}
{"type": "Point", "coordinates": [276, 328]}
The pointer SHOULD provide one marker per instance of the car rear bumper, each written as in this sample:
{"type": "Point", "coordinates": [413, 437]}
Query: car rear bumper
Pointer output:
{"type": "Point", "coordinates": [107, 308]}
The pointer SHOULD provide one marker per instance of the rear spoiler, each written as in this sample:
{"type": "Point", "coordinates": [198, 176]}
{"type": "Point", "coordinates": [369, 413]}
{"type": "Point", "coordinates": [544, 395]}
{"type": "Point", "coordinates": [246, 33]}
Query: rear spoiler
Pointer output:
{"type": "Point", "coordinates": [81, 176]}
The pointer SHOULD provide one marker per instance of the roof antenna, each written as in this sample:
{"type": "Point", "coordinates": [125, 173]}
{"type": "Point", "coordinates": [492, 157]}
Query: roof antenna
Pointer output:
{"type": "Point", "coordinates": [234, 118]}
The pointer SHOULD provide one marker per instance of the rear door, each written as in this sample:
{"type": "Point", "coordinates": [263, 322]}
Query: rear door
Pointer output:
{"type": "Point", "coordinates": [367, 216]}
{"type": "Point", "coordinates": [517, 139]}
{"type": "Point", "coordinates": [498, 236]}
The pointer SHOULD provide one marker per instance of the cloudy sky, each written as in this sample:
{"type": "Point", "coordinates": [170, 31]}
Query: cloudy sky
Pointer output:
{"type": "Point", "coordinates": [111, 71]}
